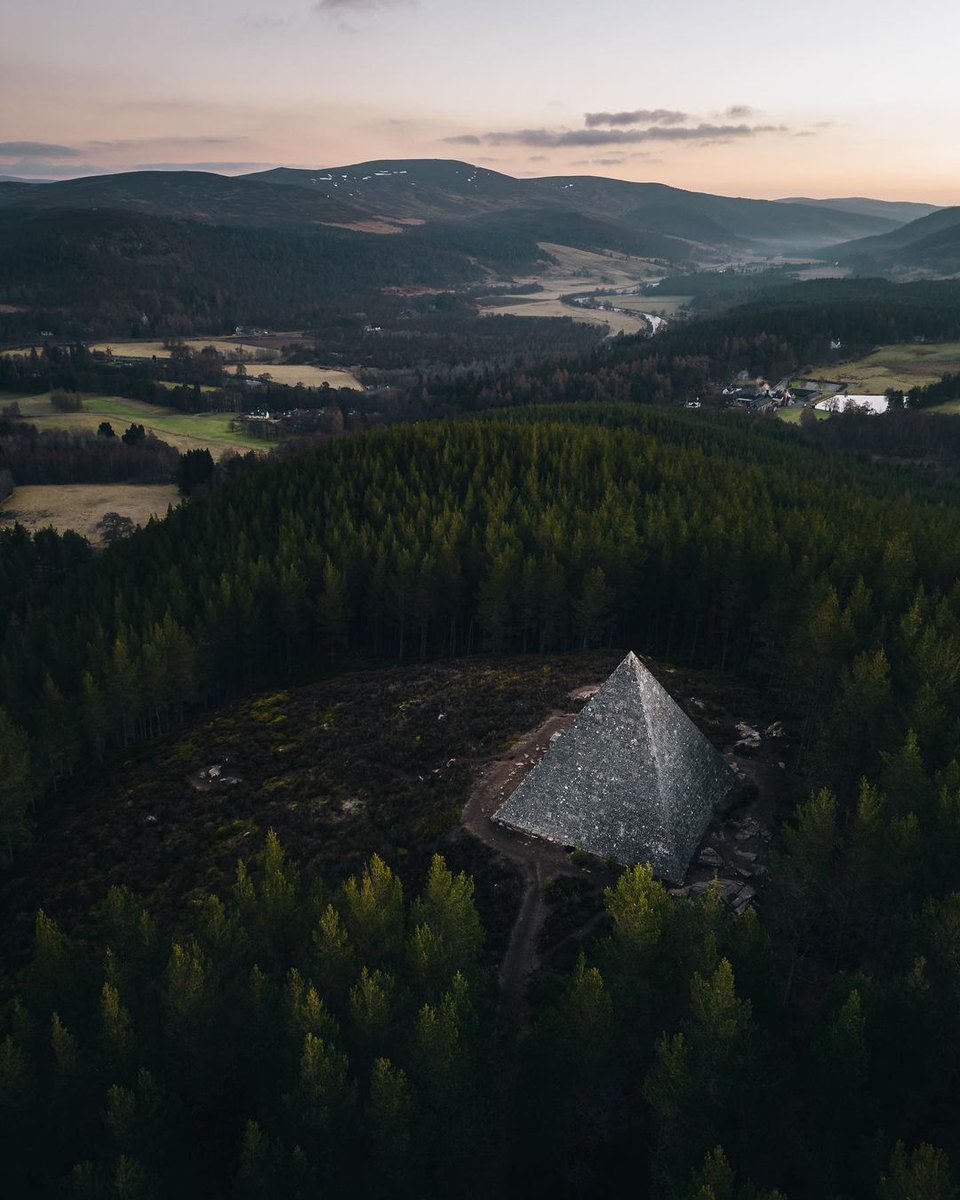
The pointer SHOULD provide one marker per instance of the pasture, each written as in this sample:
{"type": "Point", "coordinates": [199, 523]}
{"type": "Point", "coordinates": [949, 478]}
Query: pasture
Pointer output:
{"type": "Point", "coordinates": [256, 359]}
{"type": "Point", "coordinates": [292, 374]}
{"type": "Point", "coordinates": [911, 364]}
{"type": "Point", "coordinates": [661, 306]}
{"type": "Point", "coordinates": [79, 506]}
{"type": "Point", "coordinates": [537, 306]}
{"type": "Point", "coordinates": [185, 431]}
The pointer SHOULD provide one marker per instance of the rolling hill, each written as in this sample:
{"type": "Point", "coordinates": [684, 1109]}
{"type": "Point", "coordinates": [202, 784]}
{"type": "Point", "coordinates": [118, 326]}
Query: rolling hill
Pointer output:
{"type": "Point", "coordinates": [391, 196]}
{"type": "Point", "coordinates": [895, 210]}
{"type": "Point", "coordinates": [931, 243]}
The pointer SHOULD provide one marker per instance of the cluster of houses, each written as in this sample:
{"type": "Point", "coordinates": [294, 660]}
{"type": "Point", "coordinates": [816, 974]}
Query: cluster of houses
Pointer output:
{"type": "Point", "coordinates": [826, 395]}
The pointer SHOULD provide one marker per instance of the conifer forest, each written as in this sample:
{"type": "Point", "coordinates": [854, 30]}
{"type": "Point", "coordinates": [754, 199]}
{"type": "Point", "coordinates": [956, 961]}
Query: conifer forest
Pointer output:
{"type": "Point", "coordinates": [251, 947]}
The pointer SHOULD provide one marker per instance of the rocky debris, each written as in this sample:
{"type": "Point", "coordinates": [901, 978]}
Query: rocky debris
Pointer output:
{"type": "Point", "coordinates": [216, 775]}
{"type": "Point", "coordinates": [556, 736]}
{"type": "Point", "coordinates": [749, 742]}
{"type": "Point", "coordinates": [736, 894]}
{"type": "Point", "coordinates": [775, 730]}
{"type": "Point", "coordinates": [709, 858]}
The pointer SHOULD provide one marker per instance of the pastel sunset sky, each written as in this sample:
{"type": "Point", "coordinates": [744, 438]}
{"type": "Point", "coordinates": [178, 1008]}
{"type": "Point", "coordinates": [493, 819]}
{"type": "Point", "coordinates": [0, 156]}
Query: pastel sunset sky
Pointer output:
{"type": "Point", "coordinates": [744, 97]}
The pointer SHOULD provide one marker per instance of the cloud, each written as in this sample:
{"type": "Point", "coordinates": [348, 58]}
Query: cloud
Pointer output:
{"type": "Point", "coordinates": [554, 139]}
{"type": "Point", "coordinates": [344, 7]}
{"type": "Point", "coordinates": [139, 143]}
{"type": "Point", "coordinates": [601, 162]}
{"type": "Point", "coordinates": [36, 150]}
{"type": "Point", "coordinates": [739, 112]}
{"type": "Point", "coordinates": [539, 158]}
{"type": "Point", "coordinates": [640, 116]}
{"type": "Point", "coordinates": [263, 23]}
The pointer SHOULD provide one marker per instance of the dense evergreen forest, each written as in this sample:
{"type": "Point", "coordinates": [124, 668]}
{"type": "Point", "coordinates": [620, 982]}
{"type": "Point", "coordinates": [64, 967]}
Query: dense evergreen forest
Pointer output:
{"type": "Point", "coordinates": [317, 1035]}
{"type": "Point", "coordinates": [110, 273]}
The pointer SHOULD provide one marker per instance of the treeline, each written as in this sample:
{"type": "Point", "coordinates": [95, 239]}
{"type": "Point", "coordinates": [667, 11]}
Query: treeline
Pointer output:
{"type": "Point", "coordinates": [55, 456]}
{"type": "Point", "coordinates": [724, 542]}
{"type": "Point", "coordinates": [947, 388]}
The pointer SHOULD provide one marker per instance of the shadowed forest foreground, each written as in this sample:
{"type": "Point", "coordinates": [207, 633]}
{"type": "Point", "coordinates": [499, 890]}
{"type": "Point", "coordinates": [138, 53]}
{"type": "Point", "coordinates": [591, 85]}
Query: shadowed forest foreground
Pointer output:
{"type": "Point", "coordinates": [323, 1017]}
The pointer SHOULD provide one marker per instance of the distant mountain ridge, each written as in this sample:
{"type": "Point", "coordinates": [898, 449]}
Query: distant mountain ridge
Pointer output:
{"type": "Point", "coordinates": [895, 210]}
{"type": "Point", "coordinates": [391, 196]}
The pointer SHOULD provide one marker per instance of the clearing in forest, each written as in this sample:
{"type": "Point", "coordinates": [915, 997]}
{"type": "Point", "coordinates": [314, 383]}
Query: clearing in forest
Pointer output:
{"type": "Point", "coordinates": [184, 431]}
{"type": "Point", "coordinates": [912, 364]}
{"type": "Point", "coordinates": [256, 358]}
{"type": "Point", "coordinates": [80, 506]}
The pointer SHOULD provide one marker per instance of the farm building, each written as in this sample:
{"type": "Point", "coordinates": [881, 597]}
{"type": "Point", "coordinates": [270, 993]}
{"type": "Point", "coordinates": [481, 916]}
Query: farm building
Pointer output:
{"type": "Point", "coordinates": [632, 779]}
{"type": "Point", "coordinates": [844, 402]}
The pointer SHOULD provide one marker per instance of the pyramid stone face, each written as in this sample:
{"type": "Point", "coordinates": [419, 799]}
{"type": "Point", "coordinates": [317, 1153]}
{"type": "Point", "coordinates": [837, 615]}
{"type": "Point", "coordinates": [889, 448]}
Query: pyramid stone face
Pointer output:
{"type": "Point", "coordinates": [632, 779]}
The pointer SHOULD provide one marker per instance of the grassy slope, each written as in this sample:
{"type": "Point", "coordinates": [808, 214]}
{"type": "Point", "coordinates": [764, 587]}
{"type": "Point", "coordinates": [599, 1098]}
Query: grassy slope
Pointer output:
{"type": "Point", "coordinates": [185, 431]}
{"type": "Point", "coordinates": [902, 366]}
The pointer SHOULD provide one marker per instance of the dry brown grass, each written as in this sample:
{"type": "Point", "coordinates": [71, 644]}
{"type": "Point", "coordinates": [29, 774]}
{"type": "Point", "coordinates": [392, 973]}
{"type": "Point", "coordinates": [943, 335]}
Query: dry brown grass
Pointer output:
{"type": "Point", "coordinates": [79, 506]}
{"type": "Point", "coordinates": [292, 374]}
{"type": "Point", "coordinates": [614, 321]}
{"type": "Point", "coordinates": [287, 373]}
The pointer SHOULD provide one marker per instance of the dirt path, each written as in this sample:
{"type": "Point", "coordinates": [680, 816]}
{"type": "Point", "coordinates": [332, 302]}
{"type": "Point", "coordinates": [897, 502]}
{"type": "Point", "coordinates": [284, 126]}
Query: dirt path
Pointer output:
{"type": "Point", "coordinates": [536, 860]}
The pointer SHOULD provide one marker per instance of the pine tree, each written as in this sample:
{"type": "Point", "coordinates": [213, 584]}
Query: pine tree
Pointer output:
{"type": "Point", "coordinates": [923, 1174]}
{"type": "Point", "coordinates": [17, 787]}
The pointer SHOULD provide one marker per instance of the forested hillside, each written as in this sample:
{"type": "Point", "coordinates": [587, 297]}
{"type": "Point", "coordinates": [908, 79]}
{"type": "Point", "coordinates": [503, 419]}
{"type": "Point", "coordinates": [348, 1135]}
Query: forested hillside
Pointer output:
{"type": "Point", "coordinates": [724, 542]}
{"type": "Point", "coordinates": [106, 272]}
{"type": "Point", "coordinates": [343, 1035]}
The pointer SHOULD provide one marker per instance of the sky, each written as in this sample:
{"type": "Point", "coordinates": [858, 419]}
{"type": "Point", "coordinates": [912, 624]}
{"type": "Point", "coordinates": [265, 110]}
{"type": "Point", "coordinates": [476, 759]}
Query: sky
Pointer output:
{"type": "Point", "coordinates": [763, 98]}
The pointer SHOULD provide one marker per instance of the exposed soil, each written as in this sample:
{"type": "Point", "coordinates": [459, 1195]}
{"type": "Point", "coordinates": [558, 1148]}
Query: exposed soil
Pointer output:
{"type": "Point", "coordinates": [733, 854]}
{"type": "Point", "coordinates": [538, 861]}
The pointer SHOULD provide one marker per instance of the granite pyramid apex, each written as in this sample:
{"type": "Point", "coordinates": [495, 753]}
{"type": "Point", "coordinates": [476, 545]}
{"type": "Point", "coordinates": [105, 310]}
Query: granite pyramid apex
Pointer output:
{"type": "Point", "coordinates": [633, 778]}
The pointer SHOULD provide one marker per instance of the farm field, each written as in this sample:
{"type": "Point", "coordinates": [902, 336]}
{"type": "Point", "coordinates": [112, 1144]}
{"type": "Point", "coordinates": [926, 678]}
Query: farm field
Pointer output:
{"type": "Point", "coordinates": [288, 373]}
{"type": "Point", "coordinates": [554, 307]}
{"type": "Point", "coordinates": [309, 376]}
{"type": "Point", "coordinates": [661, 306]}
{"type": "Point", "coordinates": [79, 506]}
{"type": "Point", "coordinates": [185, 431]}
{"type": "Point", "coordinates": [901, 367]}
{"type": "Point", "coordinates": [792, 415]}
{"type": "Point", "coordinates": [576, 270]}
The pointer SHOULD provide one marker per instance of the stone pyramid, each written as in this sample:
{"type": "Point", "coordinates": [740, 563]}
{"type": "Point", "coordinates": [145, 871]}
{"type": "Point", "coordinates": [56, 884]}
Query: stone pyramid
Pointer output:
{"type": "Point", "coordinates": [632, 778]}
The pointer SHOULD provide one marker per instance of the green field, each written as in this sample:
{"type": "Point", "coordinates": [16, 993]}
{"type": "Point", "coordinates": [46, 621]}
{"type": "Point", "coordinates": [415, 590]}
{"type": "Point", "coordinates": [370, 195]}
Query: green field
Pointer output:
{"type": "Point", "coordinates": [901, 367]}
{"type": "Point", "coordinates": [792, 415]}
{"type": "Point", "coordinates": [661, 306]}
{"type": "Point", "coordinates": [185, 431]}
